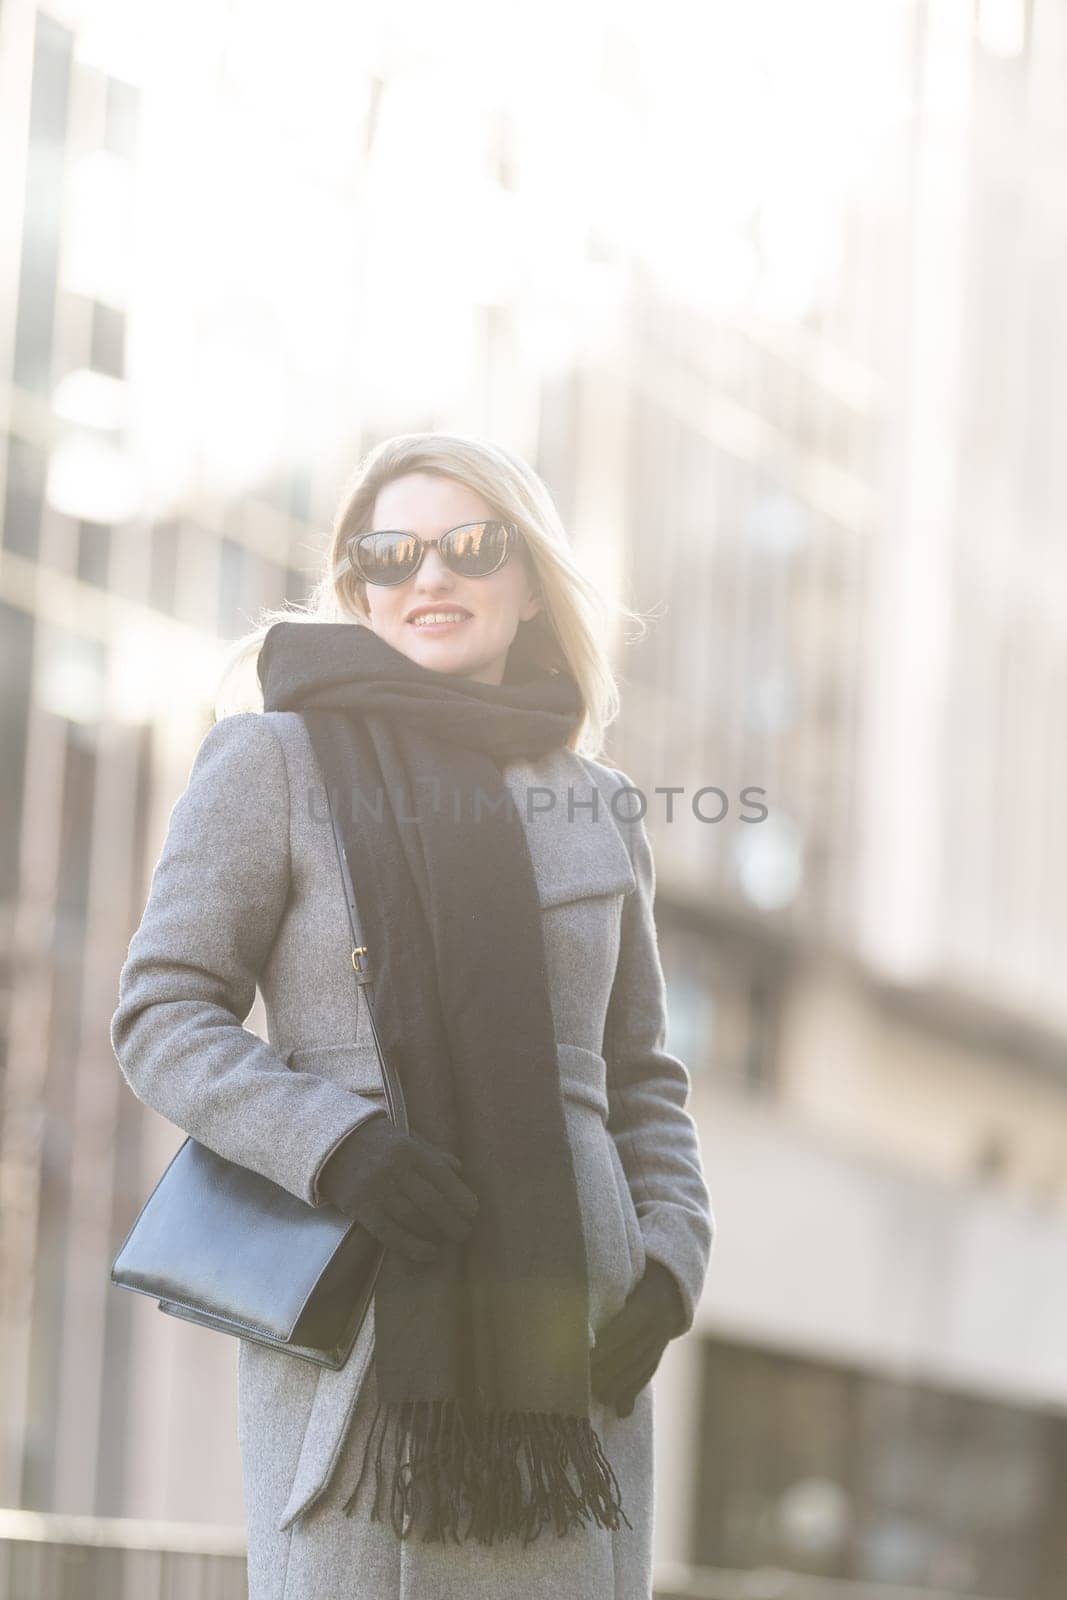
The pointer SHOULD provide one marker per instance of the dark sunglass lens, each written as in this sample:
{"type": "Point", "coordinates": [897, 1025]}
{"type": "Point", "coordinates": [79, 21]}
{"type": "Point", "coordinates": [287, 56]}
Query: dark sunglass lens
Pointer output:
{"type": "Point", "coordinates": [476, 549]}
{"type": "Point", "coordinates": [387, 557]}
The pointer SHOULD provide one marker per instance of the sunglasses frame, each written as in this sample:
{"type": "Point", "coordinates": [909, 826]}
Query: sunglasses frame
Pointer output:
{"type": "Point", "coordinates": [350, 561]}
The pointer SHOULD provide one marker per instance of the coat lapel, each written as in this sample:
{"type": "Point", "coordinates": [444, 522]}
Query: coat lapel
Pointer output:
{"type": "Point", "coordinates": [574, 851]}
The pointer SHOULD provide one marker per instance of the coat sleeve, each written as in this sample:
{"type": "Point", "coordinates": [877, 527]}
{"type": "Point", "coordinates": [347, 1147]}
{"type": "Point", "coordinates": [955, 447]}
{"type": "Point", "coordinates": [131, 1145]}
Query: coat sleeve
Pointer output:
{"type": "Point", "coordinates": [648, 1089]}
{"type": "Point", "coordinates": [216, 898]}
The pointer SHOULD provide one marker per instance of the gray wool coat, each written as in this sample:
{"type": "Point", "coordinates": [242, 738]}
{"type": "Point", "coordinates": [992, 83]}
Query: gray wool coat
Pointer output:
{"type": "Point", "coordinates": [247, 890]}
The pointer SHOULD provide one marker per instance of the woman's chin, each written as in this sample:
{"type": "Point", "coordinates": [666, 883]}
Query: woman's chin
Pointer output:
{"type": "Point", "coordinates": [445, 654]}
{"type": "Point", "coordinates": [442, 655]}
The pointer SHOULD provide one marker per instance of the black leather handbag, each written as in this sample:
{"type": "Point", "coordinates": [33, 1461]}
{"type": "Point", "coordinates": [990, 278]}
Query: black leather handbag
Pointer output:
{"type": "Point", "coordinates": [222, 1246]}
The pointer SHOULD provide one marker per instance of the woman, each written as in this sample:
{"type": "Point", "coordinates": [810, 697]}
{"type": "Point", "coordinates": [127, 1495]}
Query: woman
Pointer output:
{"type": "Point", "coordinates": [547, 1222]}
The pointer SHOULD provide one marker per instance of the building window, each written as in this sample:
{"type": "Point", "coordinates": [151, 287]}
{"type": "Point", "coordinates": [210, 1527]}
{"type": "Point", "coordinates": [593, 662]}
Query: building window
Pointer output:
{"type": "Point", "coordinates": [108, 340]}
{"type": "Point", "coordinates": [556, 432]}
{"type": "Point", "coordinates": [722, 1001]}
{"type": "Point", "coordinates": [43, 204]}
{"type": "Point", "coordinates": [231, 582]}
{"type": "Point", "coordinates": [300, 488]}
{"type": "Point", "coordinates": [163, 566]}
{"type": "Point", "coordinates": [814, 1468]}
{"type": "Point", "coordinates": [24, 497]}
{"type": "Point", "coordinates": [94, 553]}
{"type": "Point", "coordinates": [16, 665]}
{"type": "Point", "coordinates": [122, 116]}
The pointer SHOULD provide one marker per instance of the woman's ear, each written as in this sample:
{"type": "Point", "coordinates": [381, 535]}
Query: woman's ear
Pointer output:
{"type": "Point", "coordinates": [534, 601]}
{"type": "Point", "coordinates": [532, 604]}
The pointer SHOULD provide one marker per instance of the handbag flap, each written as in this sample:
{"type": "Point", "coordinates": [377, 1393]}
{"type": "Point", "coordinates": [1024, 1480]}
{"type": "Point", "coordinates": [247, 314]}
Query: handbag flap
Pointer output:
{"type": "Point", "coordinates": [224, 1239]}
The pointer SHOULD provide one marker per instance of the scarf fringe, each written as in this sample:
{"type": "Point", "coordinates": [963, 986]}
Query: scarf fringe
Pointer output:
{"type": "Point", "coordinates": [447, 1462]}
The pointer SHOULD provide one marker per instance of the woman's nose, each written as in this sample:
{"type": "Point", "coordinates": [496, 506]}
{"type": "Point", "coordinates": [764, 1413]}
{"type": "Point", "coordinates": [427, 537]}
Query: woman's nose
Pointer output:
{"type": "Point", "coordinates": [432, 569]}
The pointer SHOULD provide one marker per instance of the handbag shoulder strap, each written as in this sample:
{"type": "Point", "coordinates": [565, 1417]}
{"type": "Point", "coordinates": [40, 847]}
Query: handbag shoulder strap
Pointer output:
{"type": "Point", "coordinates": [360, 953]}
{"type": "Point", "coordinates": [364, 973]}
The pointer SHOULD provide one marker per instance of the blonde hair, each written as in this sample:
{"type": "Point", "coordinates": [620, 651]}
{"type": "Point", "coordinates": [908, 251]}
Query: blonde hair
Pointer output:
{"type": "Point", "coordinates": [571, 629]}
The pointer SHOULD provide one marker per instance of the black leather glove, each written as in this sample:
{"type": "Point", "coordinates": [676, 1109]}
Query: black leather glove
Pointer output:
{"type": "Point", "coordinates": [628, 1349]}
{"type": "Point", "coordinates": [404, 1191]}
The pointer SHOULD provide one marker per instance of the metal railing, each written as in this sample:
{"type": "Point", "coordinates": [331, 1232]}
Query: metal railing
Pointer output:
{"type": "Point", "coordinates": [49, 1556]}
{"type": "Point", "coordinates": [774, 1583]}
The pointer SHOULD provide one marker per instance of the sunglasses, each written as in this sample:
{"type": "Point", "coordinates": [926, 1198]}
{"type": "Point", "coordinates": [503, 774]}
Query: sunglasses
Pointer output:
{"type": "Point", "coordinates": [473, 550]}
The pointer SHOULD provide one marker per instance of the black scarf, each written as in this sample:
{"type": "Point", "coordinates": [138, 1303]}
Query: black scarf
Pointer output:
{"type": "Point", "coordinates": [481, 1356]}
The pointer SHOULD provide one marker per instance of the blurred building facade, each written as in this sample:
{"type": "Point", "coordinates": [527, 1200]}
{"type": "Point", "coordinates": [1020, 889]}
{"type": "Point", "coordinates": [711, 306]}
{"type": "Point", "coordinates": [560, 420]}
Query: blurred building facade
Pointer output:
{"type": "Point", "coordinates": [864, 558]}
{"type": "Point", "coordinates": [850, 518]}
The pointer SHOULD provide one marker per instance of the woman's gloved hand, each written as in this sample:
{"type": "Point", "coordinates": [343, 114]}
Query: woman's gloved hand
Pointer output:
{"type": "Point", "coordinates": [404, 1191]}
{"type": "Point", "coordinates": [628, 1349]}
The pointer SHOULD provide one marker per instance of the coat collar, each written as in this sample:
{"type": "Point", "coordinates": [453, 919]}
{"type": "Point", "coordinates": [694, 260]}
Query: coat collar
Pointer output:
{"type": "Point", "coordinates": [574, 852]}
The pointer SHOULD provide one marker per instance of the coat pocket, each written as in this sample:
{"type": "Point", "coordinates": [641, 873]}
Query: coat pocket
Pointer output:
{"type": "Point", "coordinates": [614, 1247]}
{"type": "Point", "coordinates": [635, 1237]}
{"type": "Point", "coordinates": [353, 1066]}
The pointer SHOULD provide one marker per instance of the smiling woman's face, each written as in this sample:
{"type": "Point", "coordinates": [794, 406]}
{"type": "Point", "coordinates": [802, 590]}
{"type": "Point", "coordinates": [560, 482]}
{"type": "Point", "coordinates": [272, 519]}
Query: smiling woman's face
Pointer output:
{"type": "Point", "coordinates": [477, 646]}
